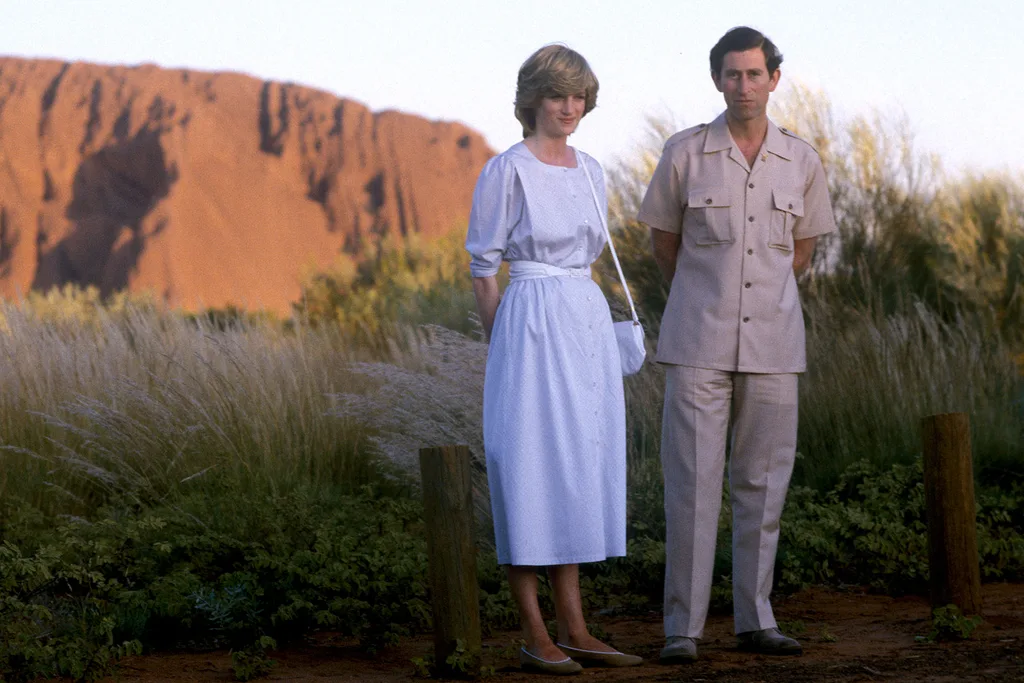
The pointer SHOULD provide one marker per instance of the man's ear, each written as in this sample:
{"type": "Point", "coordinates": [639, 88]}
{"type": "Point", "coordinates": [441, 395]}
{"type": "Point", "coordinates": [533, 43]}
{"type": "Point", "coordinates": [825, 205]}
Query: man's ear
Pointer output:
{"type": "Point", "coordinates": [714, 77]}
{"type": "Point", "coordinates": [774, 81]}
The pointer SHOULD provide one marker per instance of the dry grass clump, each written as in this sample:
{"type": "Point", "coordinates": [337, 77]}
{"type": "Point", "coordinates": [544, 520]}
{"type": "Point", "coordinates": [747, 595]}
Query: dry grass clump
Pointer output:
{"type": "Point", "coordinates": [132, 401]}
{"type": "Point", "coordinates": [872, 377]}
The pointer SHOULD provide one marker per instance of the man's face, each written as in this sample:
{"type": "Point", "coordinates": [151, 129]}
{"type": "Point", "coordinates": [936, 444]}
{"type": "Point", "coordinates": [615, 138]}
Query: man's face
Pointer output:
{"type": "Point", "coordinates": [746, 84]}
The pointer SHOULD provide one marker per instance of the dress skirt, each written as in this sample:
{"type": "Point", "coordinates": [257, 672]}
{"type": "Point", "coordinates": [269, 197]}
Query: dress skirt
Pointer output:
{"type": "Point", "coordinates": [554, 425]}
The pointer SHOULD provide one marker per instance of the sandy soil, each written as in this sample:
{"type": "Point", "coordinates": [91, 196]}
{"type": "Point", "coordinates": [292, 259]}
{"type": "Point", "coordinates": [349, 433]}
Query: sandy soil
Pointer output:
{"type": "Point", "coordinates": [847, 635]}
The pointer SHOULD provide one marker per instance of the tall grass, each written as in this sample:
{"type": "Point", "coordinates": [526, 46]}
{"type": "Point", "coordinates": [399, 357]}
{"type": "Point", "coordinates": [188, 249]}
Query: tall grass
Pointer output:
{"type": "Point", "coordinates": [98, 403]}
{"type": "Point", "coordinates": [872, 377]}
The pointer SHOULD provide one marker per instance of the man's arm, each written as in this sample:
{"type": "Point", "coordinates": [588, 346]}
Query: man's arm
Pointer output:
{"type": "Point", "coordinates": [803, 250]}
{"type": "Point", "coordinates": [665, 246]}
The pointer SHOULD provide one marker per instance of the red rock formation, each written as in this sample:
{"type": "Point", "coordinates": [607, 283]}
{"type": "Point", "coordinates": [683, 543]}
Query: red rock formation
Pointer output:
{"type": "Point", "coordinates": [208, 188]}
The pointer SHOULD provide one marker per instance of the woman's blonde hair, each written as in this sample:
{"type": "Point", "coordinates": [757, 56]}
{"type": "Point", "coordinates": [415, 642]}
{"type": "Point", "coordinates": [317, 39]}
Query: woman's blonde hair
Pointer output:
{"type": "Point", "coordinates": [553, 70]}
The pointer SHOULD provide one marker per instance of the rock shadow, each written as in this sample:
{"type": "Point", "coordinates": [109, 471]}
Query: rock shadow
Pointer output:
{"type": "Point", "coordinates": [112, 192]}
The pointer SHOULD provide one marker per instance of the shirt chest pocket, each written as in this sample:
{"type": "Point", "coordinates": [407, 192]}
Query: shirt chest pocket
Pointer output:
{"type": "Point", "coordinates": [787, 208]}
{"type": "Point", "coordinates": [709, 211]}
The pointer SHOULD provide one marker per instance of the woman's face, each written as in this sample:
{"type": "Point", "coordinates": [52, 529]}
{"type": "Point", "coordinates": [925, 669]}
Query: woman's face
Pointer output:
{"type": "Point", "coordinates": [558, 116]}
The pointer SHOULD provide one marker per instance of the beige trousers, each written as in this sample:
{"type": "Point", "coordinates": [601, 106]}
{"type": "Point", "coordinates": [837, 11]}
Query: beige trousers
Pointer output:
{"type": "Point", "coordinates": [702, 407]}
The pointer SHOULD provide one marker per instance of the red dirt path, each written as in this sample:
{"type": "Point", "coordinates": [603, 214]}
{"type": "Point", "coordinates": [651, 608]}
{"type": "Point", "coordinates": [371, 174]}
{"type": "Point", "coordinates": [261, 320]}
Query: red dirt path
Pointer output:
{"type": "Point", "coordinates": [848, 636]}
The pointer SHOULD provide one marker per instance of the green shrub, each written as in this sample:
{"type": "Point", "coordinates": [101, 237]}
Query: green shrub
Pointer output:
{"type": "Point", "coordinates": [949, 623]}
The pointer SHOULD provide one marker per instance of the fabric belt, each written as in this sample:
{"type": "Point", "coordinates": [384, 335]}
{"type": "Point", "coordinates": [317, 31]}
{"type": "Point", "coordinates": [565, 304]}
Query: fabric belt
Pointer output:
{"type": "Point", "coordinates": [531, 270]}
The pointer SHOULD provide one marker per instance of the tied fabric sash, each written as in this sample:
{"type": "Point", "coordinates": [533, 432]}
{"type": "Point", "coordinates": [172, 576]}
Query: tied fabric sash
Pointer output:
{"type": "Point", "coordinates": [531, 270]}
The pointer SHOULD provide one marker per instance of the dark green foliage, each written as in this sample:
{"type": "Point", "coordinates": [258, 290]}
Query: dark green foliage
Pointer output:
{"type": "Point", "coordinates": [252, 661]}
{"type": "Point", "coordinates": [249, 573]}
{"type": "Point", "coordinates": [949, 623]}
{"type": "Point", "coordinates": [871, 529]}
{"type": "Point", "coordinates": [55, 618]}
{"type": "Point", "coordinates": [269, 570]}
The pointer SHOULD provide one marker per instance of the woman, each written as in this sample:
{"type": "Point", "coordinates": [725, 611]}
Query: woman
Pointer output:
{"type": "Point", "coordinates": [554, 415]}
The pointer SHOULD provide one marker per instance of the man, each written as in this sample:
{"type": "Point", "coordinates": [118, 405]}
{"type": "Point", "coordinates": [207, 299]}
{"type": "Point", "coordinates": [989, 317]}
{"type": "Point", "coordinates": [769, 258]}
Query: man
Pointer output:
{"type": "Point", "coordinates": [734, 209]}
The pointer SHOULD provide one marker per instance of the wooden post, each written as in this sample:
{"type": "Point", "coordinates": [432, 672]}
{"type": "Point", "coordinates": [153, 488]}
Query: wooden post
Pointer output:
{"type": "Point", "coordinates": [953, 565]}
{"type": "Point", "coordinates": [448, 510]}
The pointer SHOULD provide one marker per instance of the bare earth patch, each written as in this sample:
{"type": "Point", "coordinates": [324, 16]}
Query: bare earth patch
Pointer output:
{"type": "Point", "coordinates": [847, 635]}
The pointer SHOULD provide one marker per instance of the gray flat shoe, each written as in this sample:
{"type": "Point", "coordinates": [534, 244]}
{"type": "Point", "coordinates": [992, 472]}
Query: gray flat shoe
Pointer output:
{"type": "Point", "coordinates": [679, 650]}
{"type": "Point", "coordinates": [596, 658]}
{"type": "Point", "coordinates": [531, 662]}
{"type": "Point", "coordinates": [769, 641]}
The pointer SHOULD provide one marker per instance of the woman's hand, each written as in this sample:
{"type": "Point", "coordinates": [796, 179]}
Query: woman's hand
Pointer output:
{"type": "Point", "coordinates": [486, 291]}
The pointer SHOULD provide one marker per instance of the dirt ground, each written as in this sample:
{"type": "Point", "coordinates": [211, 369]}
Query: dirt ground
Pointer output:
{"type": "Point", "coordinates": [847, 635]}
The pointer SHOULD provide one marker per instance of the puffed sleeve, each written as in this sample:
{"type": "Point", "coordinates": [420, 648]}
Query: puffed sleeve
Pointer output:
{"type": "Point", "coordinates": [818, 218]}
{"type": "Point", "coordinates": [490, 217]}
{"type": "Point", "coordinates": [662, 206]}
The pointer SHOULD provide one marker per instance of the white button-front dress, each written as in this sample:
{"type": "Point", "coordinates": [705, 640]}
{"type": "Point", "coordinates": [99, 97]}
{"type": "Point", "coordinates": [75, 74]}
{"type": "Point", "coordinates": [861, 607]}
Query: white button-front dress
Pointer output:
{"type": "Point", "coordinates": [554, 415]}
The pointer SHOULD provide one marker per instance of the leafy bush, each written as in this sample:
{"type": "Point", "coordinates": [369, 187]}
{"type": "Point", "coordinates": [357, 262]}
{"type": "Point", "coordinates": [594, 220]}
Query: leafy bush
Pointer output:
{"type": "Point", "coordinates": [276, 568]}
{"type": "Point", "coordinates": [871, 530]}
{"type": "Point", "coordinates": [949, 623]}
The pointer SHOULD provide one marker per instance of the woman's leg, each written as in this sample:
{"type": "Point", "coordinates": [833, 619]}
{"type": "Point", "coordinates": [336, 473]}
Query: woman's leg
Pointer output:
{"type": "Point", "coordinates": [572, 627]}
{"type": "Point", "coordinates": [523, 583]}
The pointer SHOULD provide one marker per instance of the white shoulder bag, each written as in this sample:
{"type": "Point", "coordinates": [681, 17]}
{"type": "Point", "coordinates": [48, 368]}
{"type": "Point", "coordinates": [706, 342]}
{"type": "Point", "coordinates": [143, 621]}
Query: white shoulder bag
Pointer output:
{"type": "Point", "coordinates": [628, 333]}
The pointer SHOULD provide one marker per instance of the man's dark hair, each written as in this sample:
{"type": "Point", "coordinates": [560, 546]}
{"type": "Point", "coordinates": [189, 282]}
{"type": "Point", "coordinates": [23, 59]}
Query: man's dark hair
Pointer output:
{"type": "Point", "coordinates": [741, 39]}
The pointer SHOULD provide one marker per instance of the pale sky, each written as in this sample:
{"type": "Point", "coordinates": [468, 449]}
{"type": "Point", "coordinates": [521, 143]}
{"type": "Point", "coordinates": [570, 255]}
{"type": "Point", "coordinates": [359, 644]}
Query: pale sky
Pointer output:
{"type": "Point", "coordinates": [948, 65]}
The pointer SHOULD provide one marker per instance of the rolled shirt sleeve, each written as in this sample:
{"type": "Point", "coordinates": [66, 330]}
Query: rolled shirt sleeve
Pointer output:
{"type": "Point", "coordinates": [663, 205]}
{"type": "Point", "coordinates": [490, 219]}
{"type": "Point", "coordinates": [818, 218]}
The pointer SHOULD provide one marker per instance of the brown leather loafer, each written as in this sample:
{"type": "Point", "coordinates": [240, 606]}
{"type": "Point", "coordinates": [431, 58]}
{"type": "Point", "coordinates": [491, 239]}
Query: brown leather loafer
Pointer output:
{"type": "Point", "coordinates": [531, 662]}
{"type": "Point", "coordinates": [596, 658]}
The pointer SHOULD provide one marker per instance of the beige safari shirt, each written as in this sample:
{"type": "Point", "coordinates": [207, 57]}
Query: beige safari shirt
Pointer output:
{"type": "Point", "coordinates": [734, 304]}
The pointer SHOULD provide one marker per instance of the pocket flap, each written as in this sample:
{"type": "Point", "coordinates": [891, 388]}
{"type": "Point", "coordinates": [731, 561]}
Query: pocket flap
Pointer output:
{"type": "Point", "coordinates": [702, 199]}
{"type": "Point", "coordinates": [790, 203]}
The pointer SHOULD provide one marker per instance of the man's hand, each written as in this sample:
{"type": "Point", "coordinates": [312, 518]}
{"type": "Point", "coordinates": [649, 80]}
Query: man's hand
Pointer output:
{"type": "Point", "coordinates": [803, 250]}
{"type": "Point", "coordinates": [665, 246]}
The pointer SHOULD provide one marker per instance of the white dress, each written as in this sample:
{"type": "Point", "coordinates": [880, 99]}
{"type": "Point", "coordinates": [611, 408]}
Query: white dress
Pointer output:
{"type": "Point", "coordinates": [554, 414]}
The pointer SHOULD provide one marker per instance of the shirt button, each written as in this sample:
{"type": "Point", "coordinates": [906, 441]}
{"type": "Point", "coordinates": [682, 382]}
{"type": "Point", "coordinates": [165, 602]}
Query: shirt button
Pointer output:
{"type": "Point", "coordinates": [747, 285]}
{"type": "Point", "coordinates": [791, 206]}
{"type": "Point", "coordinates": [707, 201]}
{"type": "Point", "coordinates": [751, 186]}
{"type": "Point", "coordinates": [751, 219]}
{"type": "Point", "coordinates": [746, 320]}
{"type": "Point", "coordinates": [750, 252]}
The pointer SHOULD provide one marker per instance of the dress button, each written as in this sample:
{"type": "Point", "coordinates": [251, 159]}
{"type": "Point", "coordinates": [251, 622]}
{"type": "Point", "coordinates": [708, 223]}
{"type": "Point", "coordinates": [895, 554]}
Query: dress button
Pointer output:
{"type": "Point", "coordinates": [751, 219]}
{"type": "Point", "coordinates": [747, 285]}
{"type": "Point", "coordinates": [746, 320]}
{"type": "Point", "coordinates": [750, 252]}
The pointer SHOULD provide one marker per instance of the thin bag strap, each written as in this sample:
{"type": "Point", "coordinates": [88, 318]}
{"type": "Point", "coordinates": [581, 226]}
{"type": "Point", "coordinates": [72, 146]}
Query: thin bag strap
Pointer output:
{"type": "Point", "coordinates": [604, 224]}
